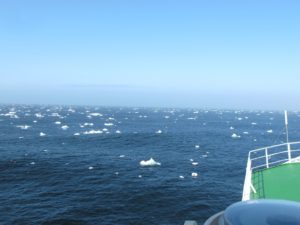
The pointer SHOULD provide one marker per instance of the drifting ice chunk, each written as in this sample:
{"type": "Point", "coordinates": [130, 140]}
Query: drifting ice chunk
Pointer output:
{"type": "Point", "coordinates": [93, 132]}
{"type": "Point", "coordinates": [158, 132]}
{"type": "Point", "coordinates": [150, 162]}
{"type": "Point", "coordinates": [270, 131]}
{"type": "Point", "coordinates": [64, 127]}
{"type": "Point", "coordinates": [181, 177]}
{"type": "Point", "coordinates": [76, 134]}
{"type": "Point", "coordinates": [197, 146]}
{"type": "Point", "coordinates": [194, 174]}
{"type": "Point", "coordinates": [235, 135]}
{"type": "Point", "coordinates": [58, 122]}
{"type": "Point", "coordinates": [42, 134]}
{"type": "Point", "coordinates": [108, 124]}
{"type": "Point", "coordinates": [195, 163]}
{"type": "Point", "coordinates": [23, 127]}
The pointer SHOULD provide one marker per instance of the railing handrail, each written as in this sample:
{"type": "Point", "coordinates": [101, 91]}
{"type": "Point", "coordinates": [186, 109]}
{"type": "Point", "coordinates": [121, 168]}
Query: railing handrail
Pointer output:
{"type": "Point", "coordinates": [248, 187]}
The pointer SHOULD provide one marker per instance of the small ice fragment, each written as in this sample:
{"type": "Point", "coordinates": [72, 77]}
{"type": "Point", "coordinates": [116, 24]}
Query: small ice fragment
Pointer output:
{"type": "Point", "coordinates": [105, 129]}
{"type": "Point", "coordinates": [35, 121]}
{"type": "Point", "coordinates": [90, 168]}
{"type": "Point", "coordinates": [158, 132]}
{"type": "Point", "coordinates": [150, 162]}
{"type": "Point", "coordinates": [195, 163]}
{"type": "Point", "coordinates": [140, 176]}
{"type": "Point", "coordinates": [192, 160]}
{"type": "Point", "coordinates": [194, 174]}
{"type": "Point", "coordinates": [270, 131]}
{"type": "Point", "coordinates": [32, 163]}
{"type": "Point", "coordinates": [122, 156]}
{"type": "Point", "coordinates": [118, 132]}
{"type": "Point", "coordinates": [197, 146]}
{"type": "Point", "coordinates": [58, 122]}
{"type": "Point", "coordinates": [117, 173]}
{"type": "Point", "coordinates": [42, 134]}
{"type": "Point", "coordinates": [231, 128]}
{"type": "Point", "coordinates": [234, 135]}
{"type": "Point", "coordinates": [181, 177]}
{"type": "Point", "coordinates": [239, 118]}
{"type": "Point", "coordinates": [45, 150]}
{"type": "Point", "coordinates": [23, 127]}
{"type": "Point", "coordinates": [245, 132]}
{"type": "Point", "coordinates": [64, 127]}
{"type": "Point", "coordinates": [108, 124]}
{"type": "Point", "coordinates": [77, 134]}
{"type": "Point", "coordinates": [95, 114]}
{"type": "Point", "coordinates": [253, 123]}
{"type": "Point", "coordinates": [93, 132]}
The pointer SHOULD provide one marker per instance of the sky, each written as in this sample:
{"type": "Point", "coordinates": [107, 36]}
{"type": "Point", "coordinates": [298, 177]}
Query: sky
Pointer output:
{"type": "Point", "coordinates": [158, 53]}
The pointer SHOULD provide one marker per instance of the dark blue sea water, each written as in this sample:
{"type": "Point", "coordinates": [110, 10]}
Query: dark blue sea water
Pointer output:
{"type": "Point", "coordinates": [48, 175]}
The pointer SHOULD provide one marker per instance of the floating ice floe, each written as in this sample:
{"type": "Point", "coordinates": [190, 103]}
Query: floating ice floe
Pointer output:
{"type": "Point", "coordinates": [57, 122]}
{"type": "Point", "coordinates": [181, 177]}
{"type": "Point", "coordinates": [253, 123]}
{"type": "Point", "coordinates": [108, 124]}
{"type": "Point", "coordinates": [270, 131]}
{"type": "Point", "coordinates": [64, 127]}
{"type": "Point", "coordinates": [245, 132]}
{"type": "Point", "coordinates": [150, 162]}
{"type": "Point", "coordinates": [95, 114]}
{"type": "Point", "coordinates": [194, 174]}
{"type": "Point", "coordinates": [38, 115]}
{"type": "Point", "coordinates": [93, 132]}
{"type": "Point", "coordinates": [42, 134]}
{"type": "Point", "coordinates": [88, 124]}
{"type": "Point", "coordinates": [234, 135]}
{"type": "Point", "coordinates": [32, 163]}
{"type": "Point", "coordinates": [158, 132]}
{"type": "Point", "coordinates": [23, 127]}
{"type": "Point", "coordinates": [140, 176]}
{"type": "Point", "coordinates": [195, 163]}
{"type": "Point", "coordinates": [118, 132]}
{"type": "Point", "coordinates": [76, 134]}
{"type": "Point", "coordinates": [90, 167]}
{"type": "Point", "coordinates": [122, 156]}
{"type": "Point", "coordinates": [35, 121]}
{"type": "Point", "coordinates": [239, 118]}
{"type": "Point", "coordinates": [197, 146]}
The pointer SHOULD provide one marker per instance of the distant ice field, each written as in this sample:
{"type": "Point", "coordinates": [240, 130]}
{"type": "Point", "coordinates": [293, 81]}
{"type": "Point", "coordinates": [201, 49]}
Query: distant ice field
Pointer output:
{"type": "Point", "coordinates": [111, 165]}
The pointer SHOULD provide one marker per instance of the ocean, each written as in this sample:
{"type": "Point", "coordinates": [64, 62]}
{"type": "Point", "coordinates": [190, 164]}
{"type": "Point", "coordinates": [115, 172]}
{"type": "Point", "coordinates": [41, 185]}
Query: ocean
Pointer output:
{"type": "Point", "coordinates": [81, 164]}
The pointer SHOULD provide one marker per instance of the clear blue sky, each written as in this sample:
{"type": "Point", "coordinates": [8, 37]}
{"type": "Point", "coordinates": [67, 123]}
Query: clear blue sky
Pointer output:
{"type": "Point", "coordinates": [221, 54]}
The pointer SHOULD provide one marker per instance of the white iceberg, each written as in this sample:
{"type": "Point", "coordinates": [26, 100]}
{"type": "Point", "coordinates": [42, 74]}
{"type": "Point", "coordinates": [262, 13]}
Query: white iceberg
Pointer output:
{"type": "Point", "coordinates": [150, 162]}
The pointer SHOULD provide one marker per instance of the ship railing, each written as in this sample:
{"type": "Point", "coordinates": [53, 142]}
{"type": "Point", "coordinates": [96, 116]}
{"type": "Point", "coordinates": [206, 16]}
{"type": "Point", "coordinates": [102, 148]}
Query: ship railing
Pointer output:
{"type": "Point", "coordinates": [268, 157]}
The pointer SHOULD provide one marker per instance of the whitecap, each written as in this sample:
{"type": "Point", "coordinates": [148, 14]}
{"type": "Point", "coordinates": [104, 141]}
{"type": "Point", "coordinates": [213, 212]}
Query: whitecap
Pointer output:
{"type": "Point", "coordinates": [150, 162]}
{"type": "Point", "coordinates": [57, 122]}
{"type": "Point", "coordinates": [122, 156]}
{"type": "Point", "coordinates": [76, 134]}
{"type": "Point", "coordinates": [140, 176]}
{"type": "Point", "coordinates": [32, 163]}
{"type": "Point", "coordinates": [90, 168]}
{"type": "Point", "coordinates": [42, 134]}
{"type": "Point", "coordinates": [245, 132]}
{"type": "Point", "coordinates": [38, 115]}
{"type": "Point", "coordinates": [197, 146]}
{"type": "Point", "coordinates": [195, 163]}
{"type": "Point", "coordinates": [253, 123]}
{"type": "Point", "coordinates": [158, 132]}
{"type": "Point", "coordinates": [118, 132]}
{"type": "Point", "coordinates": [181, 177]}
{"type": "Point", "coordinates": [270, 131]}
{"type": "Point", "coordinates": [231, 128]}
{"type": "Point", "coordinates": [108, 124]}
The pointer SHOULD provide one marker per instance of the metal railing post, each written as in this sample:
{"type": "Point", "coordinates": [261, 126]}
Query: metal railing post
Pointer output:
{"type": "Point", "coordinates": [289, 151]}
{"type": "Point", "coordinates": [267, 157]}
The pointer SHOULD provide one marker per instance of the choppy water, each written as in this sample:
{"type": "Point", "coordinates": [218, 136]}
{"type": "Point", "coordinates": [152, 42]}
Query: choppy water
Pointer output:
{"type": "Point", "coordinates": [80, 165]}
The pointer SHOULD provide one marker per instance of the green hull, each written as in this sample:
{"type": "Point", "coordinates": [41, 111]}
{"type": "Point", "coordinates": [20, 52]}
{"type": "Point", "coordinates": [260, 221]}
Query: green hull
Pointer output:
{"type": "Point", "coordinates": [279, 182]}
